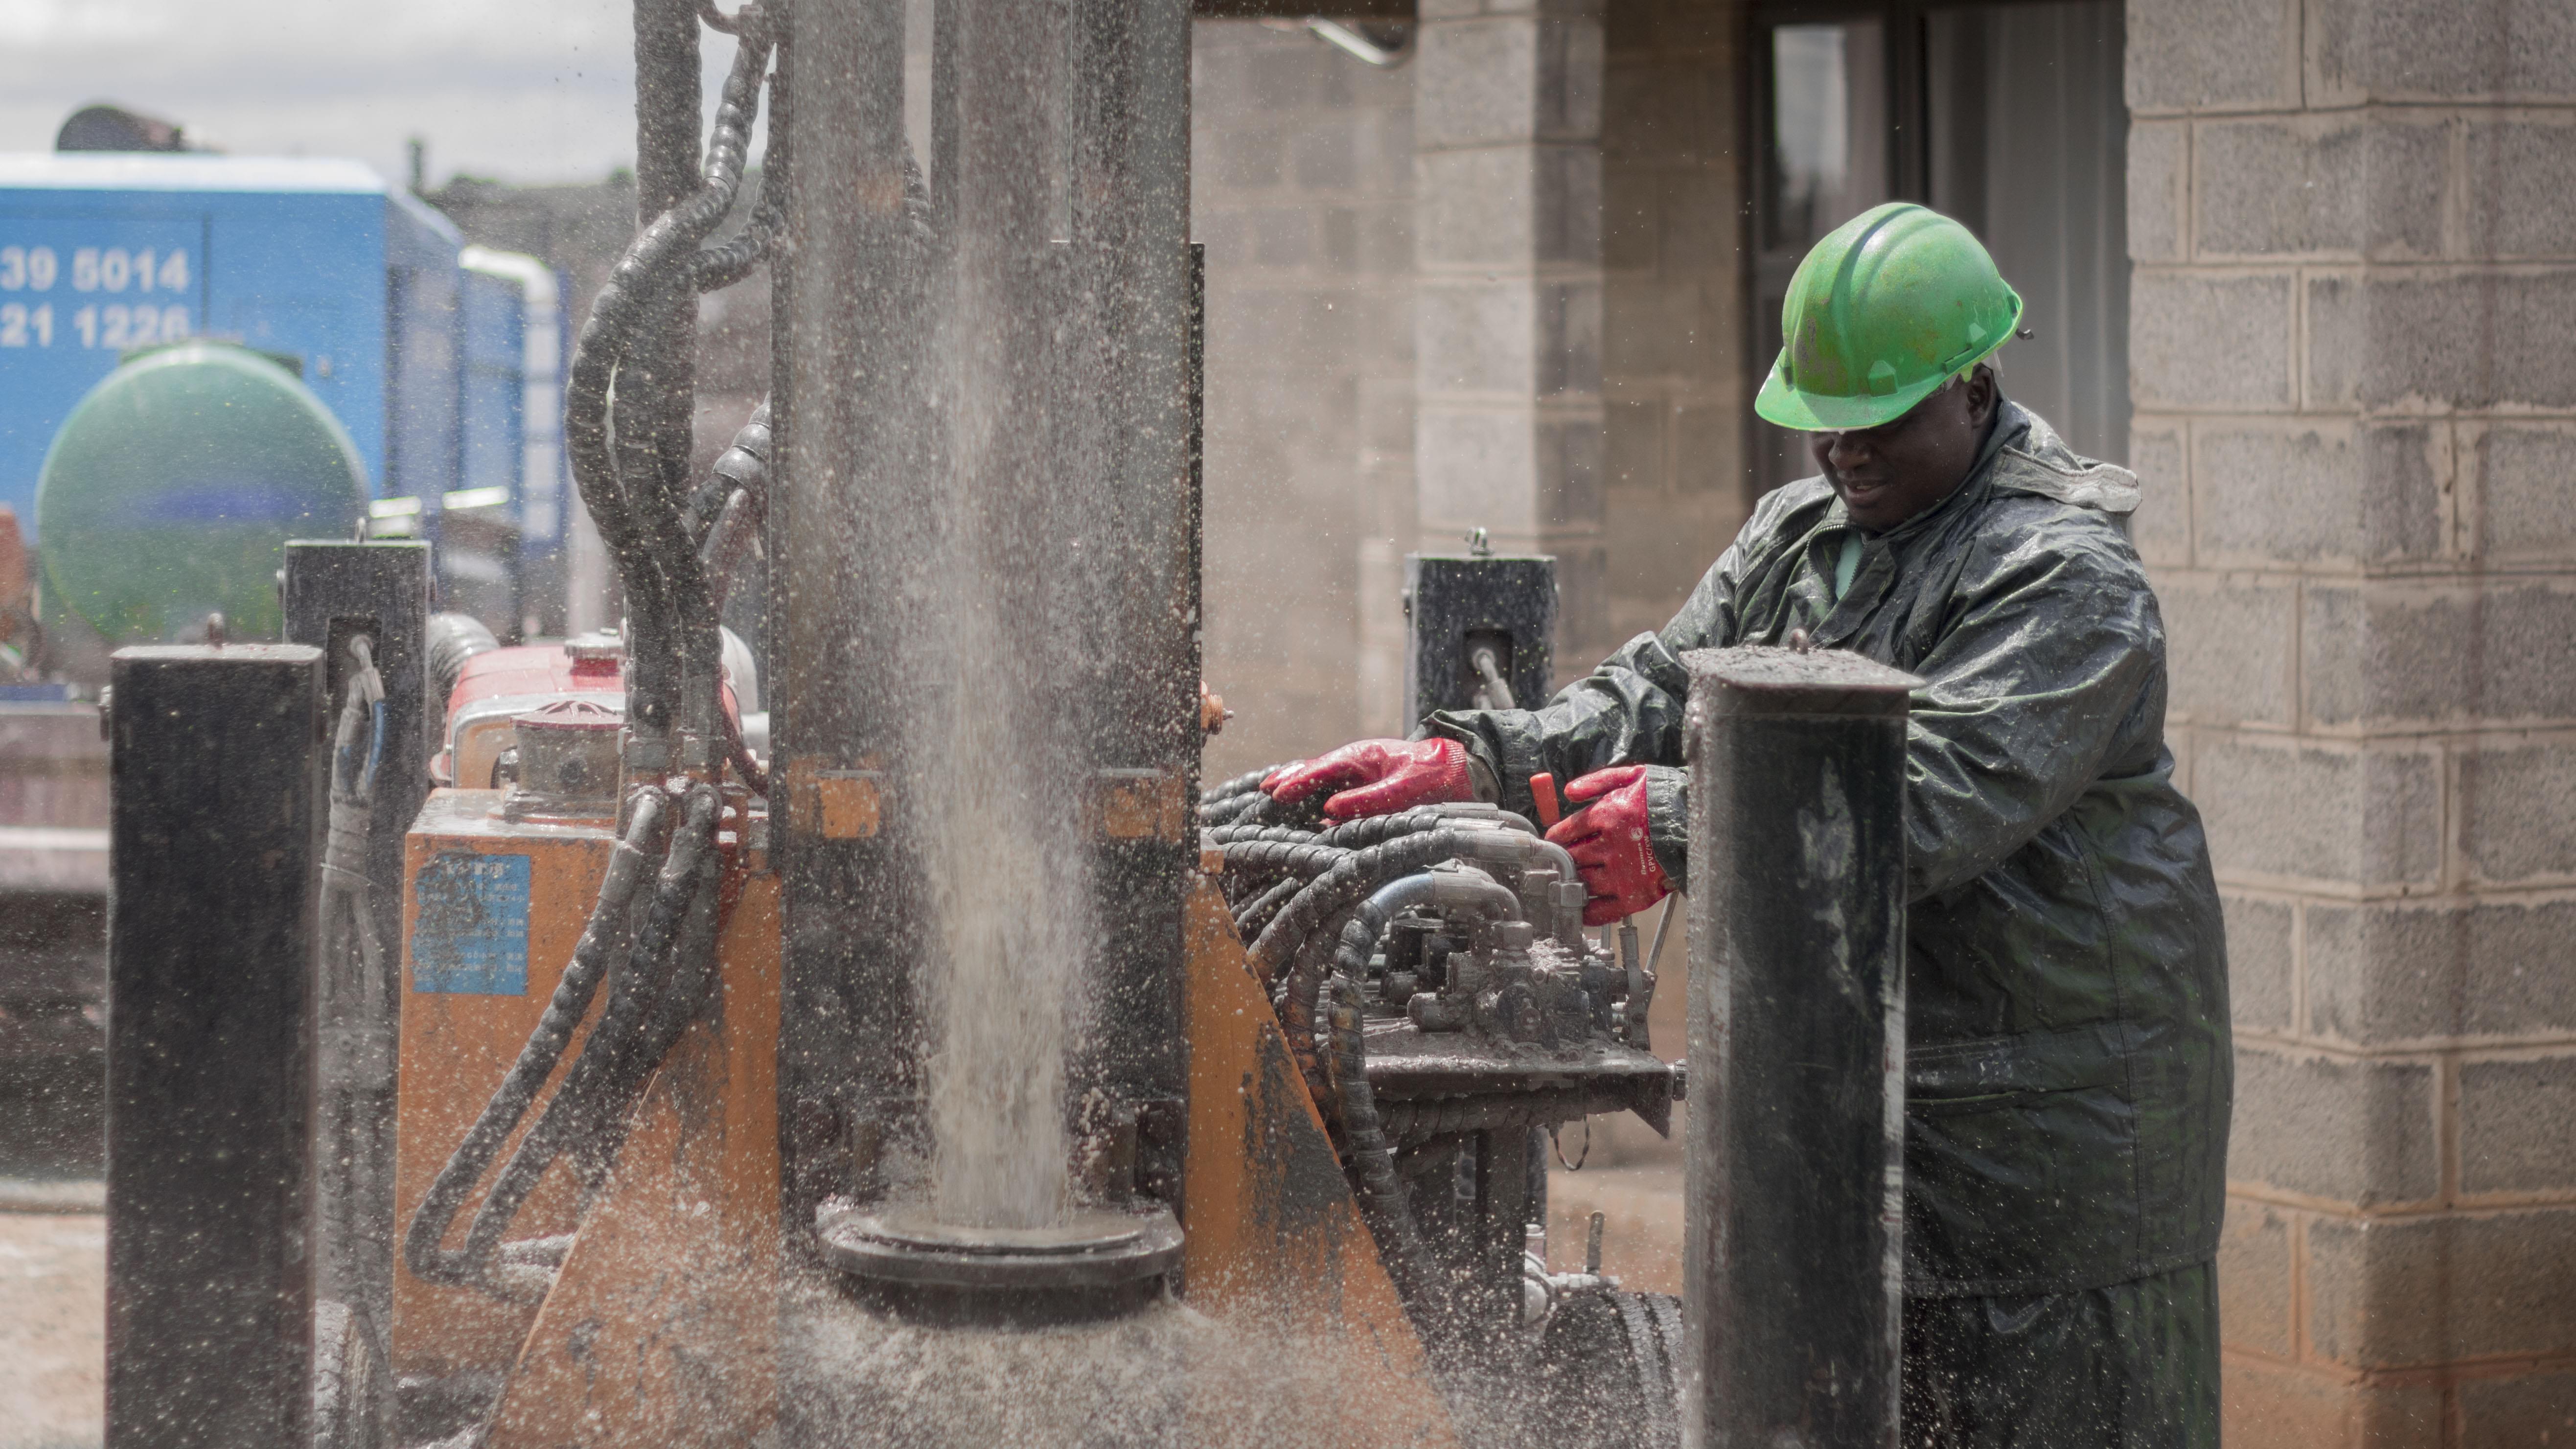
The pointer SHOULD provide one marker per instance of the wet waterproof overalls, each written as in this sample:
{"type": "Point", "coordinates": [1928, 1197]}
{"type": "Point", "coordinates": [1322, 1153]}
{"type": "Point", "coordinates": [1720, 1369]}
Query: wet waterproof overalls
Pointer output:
{"type": "Point", "coordinates": [2068, 1063]}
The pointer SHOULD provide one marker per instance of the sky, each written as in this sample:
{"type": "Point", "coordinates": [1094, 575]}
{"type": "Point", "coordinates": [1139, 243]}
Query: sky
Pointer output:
{"type": "Point", "coordinates": [514, 90]}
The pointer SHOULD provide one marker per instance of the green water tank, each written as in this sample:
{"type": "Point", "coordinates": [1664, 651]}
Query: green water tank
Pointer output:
{"type": "Point", "coordinates": [173, 487]}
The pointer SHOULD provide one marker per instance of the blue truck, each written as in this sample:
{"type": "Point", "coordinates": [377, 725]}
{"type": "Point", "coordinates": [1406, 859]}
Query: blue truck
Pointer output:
{"type": "Point", "coordinates": [442, 360]}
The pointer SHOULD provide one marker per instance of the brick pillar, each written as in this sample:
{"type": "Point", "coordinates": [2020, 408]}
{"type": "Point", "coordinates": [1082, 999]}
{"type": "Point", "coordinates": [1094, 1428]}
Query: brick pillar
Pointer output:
{"type": "Point", "coordinates": [2354, 224]}
{"type": "Point", "coordinates": [1507, 322]}
{"type": "Point", "coordinates": [1674, 380]}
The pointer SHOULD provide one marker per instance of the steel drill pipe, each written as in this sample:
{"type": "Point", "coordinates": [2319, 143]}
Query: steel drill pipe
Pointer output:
{"type": "Point", "coordinates": [1792, 1255]}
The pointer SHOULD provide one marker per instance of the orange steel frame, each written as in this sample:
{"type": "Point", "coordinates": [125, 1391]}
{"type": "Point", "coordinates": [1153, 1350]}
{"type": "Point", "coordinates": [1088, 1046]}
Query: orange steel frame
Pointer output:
{"type": "Point", "coordinates": [659, 1329]}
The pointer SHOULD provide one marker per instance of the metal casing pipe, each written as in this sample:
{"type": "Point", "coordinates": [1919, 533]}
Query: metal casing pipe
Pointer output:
{"type": "Point", "coordinates": [1792, 1252]}
{"type": "Point", "coordinates": [997, 382]}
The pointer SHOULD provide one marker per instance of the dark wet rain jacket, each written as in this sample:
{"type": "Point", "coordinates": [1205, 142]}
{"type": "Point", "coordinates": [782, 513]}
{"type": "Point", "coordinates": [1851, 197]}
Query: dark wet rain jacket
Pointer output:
{"type": "Point", "coordinates": [2067, 1064]}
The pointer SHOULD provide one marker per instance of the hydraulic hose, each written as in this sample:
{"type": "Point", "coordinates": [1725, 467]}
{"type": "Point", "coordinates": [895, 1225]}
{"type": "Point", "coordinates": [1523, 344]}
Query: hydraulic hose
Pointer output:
{"type": "Point", "coordinates": [453, 639]}
{"type": "Point", "coordinates": [1372, 829]}
{"type": "Point", "coordinates": [681, 997]}
{"type": "Point", "coordinates": [1256, 913]}
{"type": "Point", "coordinates": [1446, 891]}
{"type": "Point", "coordinates": [1240, 785]}
{"type": "Point", "coordinates": [1381, 1192]}
{"type": "Point", "coordinates": [719, 267]}
{"type": "Point", "coordinates": [674, 643]}
{"type": "Point", "coordinates": [605, 936]}
{"type": "Point", "coordinates": [738, 750]}
{"type": "Point", "coordinates": [1303, 858]}
{"type": "Point", "coordinates": [1298, 1000]}
{"type": "Point", "coordinates": [583, 1114]}
{"type": "Point", "coordinates": [1348, 880]}
{"type": "Point", "coordinates": [1231, 834]}
{"type": "Point", "coordinates": [743, 467]}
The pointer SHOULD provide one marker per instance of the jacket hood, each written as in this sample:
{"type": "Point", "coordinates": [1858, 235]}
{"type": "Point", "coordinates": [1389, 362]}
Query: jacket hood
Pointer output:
{"type": "Point", "coordinates": [2033, 459]}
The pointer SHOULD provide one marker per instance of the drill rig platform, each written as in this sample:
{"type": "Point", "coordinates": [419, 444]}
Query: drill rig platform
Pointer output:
{"type": "Point", "coordinates": [962, 1069]}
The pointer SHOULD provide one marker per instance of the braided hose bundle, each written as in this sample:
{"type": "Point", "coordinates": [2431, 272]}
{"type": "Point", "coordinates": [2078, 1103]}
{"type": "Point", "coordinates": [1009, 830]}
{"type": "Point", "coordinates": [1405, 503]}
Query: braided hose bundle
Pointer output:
{"type": "Point", "coordinates": [1236, 834]}
{"type": "Point", "coordinates": [1344, 944]}
{"type": "Point", "coordinates": [1239, 786]}
{"type": "Point", "coordinates": [605, 937]}
{"type": "Point", "coordinates": [1250, 917]}
{"type": "Point", "coordinates": [1304, 859]}
{"type": "Point", "coordinates": [1382, 1198]}
{"type": "Point", "coordinates": [637, 517]}
{"type": "Point", "coordinates": [619, 1053]}
{"type": "Point", "coordinates": [1347, 881]}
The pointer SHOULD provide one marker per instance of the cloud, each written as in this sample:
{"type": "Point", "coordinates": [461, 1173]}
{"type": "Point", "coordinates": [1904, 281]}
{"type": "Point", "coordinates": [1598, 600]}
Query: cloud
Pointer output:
{"type": "Point", "coordinates": [519, 90]}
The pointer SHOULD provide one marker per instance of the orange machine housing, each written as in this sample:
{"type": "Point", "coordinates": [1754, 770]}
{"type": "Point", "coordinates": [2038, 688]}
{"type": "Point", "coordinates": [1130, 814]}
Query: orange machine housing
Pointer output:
{"type": "Point", "coordinates": [675, 1265]}
{"type": "Point", "coordinates": [660, 1326]}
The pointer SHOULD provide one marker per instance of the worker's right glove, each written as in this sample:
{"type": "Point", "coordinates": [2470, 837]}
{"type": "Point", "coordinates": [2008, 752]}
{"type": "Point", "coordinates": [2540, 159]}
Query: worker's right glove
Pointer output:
{"type": "Point", "coordinates": [1377, 777]}
{"type": "Point", "coordinates": [1610, 844]}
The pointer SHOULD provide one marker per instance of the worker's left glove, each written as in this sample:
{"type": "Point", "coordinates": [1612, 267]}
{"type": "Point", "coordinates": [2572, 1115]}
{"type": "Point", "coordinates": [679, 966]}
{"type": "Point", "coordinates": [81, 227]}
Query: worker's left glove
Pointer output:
{"type": "Point", "coordinates": [1611, 844]}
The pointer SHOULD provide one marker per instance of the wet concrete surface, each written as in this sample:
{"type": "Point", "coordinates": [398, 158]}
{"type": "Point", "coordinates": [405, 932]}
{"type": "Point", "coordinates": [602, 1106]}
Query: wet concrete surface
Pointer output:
{"type": "Point", "coordinates": [53, 1256]}
{"type": "Point", "coordinates": [53, 1241]}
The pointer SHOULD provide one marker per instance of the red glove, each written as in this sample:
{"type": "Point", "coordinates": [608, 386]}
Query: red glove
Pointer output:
{"type": "Point", "coordinates": [1377, 777]}
{"type": "Point", "coordinates": [1607, 839]}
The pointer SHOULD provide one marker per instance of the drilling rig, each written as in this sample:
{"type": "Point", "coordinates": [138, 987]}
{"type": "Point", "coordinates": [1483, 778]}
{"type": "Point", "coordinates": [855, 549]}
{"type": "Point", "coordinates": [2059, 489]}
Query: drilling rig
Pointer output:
{"type": "Point", "coordinates": [965, 1069]}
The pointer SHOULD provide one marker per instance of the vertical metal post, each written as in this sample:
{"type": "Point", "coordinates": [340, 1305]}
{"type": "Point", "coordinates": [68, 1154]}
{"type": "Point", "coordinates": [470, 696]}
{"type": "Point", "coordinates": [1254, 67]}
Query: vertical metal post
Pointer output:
{"type": "Point", "coordinates": [335, 592]}
{"type": "Point", "coordinates": [216, 759]}
{"type": "Point", "coordinates": [1792, 1253]}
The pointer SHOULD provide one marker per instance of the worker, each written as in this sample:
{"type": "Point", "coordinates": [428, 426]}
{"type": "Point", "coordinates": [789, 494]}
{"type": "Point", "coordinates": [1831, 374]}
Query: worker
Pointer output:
{"type": "Point", "coordinates": [2068, 1064]}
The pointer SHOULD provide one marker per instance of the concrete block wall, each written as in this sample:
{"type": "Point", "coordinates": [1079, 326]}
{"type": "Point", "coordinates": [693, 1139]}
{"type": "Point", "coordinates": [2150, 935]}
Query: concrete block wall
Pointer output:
{"type": "Point", "coordinates": [2355, 244]}
{"type": "Point", "coordinates": [1302, 193]}
{"type": "Point", "coordinates": [1508, 299]}
{"type": "Point", "coordinates": [1674, 378]}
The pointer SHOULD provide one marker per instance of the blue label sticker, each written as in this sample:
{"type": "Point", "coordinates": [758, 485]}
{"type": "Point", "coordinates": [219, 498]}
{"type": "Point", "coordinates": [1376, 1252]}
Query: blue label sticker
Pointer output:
{"type": "Point", "coordinates": [472, 931]}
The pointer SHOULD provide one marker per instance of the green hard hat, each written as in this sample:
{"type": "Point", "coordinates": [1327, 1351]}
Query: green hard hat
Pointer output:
{"type": "Point", "coordinates": [172, 488]}
{"type": "Point", "coordinates": [1888, 307]}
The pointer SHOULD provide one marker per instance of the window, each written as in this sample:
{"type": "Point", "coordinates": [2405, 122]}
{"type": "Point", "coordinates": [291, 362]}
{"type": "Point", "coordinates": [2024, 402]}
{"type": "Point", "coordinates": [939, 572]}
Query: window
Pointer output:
{"type": "Point", "coordinates": [2006, 116]}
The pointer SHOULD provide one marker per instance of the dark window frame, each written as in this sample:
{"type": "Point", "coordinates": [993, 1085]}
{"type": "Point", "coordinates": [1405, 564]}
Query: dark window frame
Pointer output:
{"type": "Point", "coordinates": [1904, 25]}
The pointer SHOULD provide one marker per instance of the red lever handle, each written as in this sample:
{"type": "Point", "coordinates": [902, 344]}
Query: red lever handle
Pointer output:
{"type": "Point", "coordinates": [1543, 795]}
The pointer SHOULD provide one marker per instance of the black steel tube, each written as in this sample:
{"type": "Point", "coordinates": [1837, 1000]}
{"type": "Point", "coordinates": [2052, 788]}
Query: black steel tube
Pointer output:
{"type": "Point", "coordinates": [1793, 1248]}
{"type": "Point", "coordinates": [334, 592]}
{"type": "Point", "coordinates": [216, 777]}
